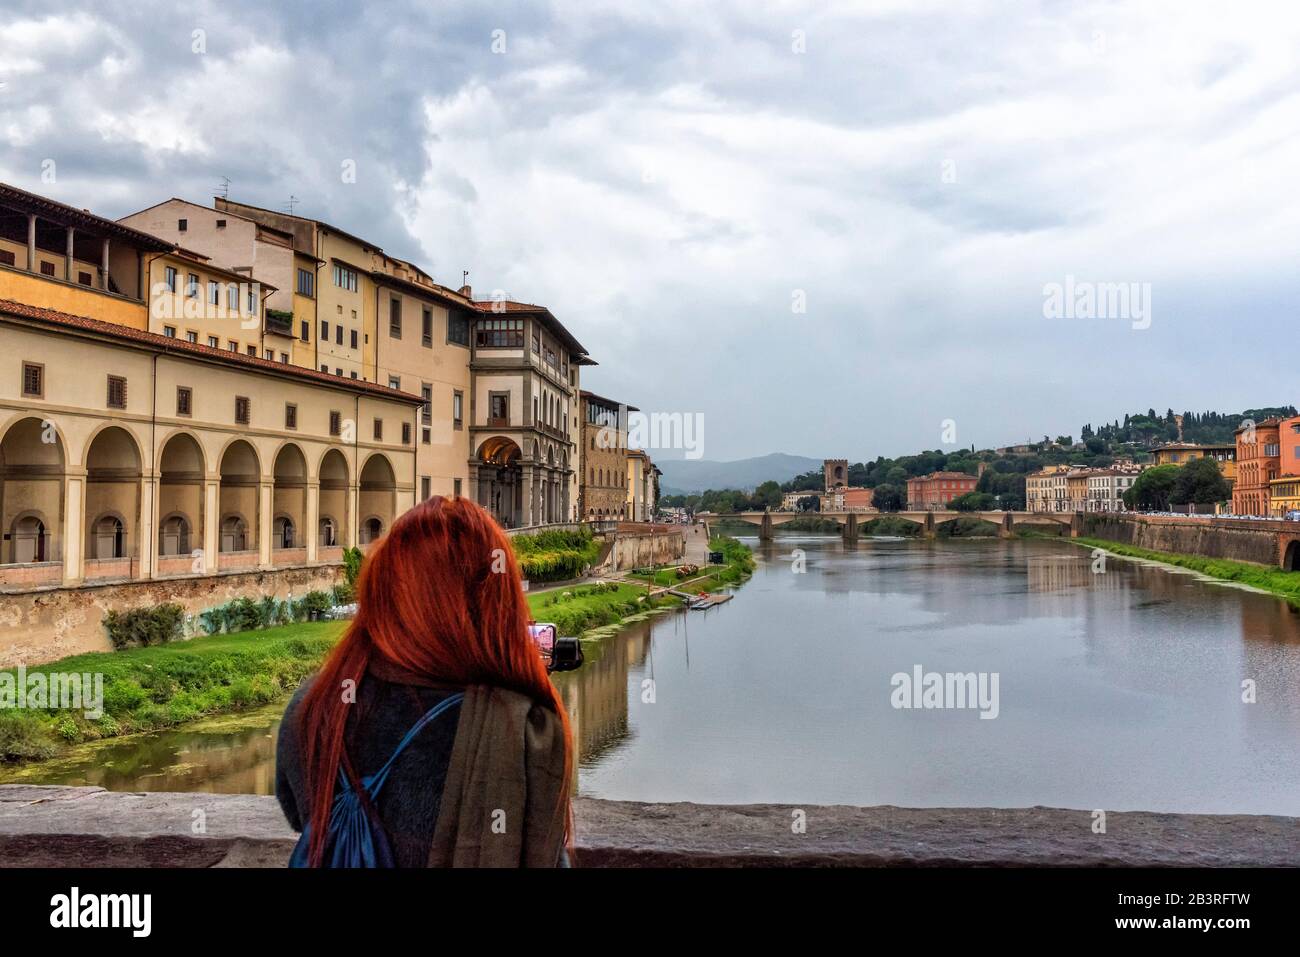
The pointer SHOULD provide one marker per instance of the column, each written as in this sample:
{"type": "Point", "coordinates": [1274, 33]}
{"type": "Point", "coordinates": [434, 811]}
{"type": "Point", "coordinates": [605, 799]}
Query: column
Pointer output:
{"type": "Point", "coordinates": [312, 519]}
{"type": "Point", "coordinates": [211, 523]}
{"type": "Point", "coordinates": [68, 263]}
{"type": "Point", "coordinates": [265, 519]}
{"type": "Point", "coordinates": [74, 527]}
{"type": "Point", "coordinates": [31, 242]}
{"type": "Point", "coordinates": [471, 488]}
{"type": "Point", "coordinates": [528, 495]}
{"type": "Point", "coordinates": [148, 530]}
{"type": "Point", "coordinates": [103, 279]}
{"type": "Point", "coordinates": [350, 520]}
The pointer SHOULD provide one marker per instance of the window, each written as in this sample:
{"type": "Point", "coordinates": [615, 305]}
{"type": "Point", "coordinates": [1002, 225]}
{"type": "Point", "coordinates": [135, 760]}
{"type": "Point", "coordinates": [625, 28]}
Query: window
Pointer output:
{"type": "Point", "coordinates": [345, 278]}
{"type": "Point", "coordinates": [354, 375]}
{"type": "Point", "coordinates": [47, 268]}
{"type": "Point", "coordinates": [184, 400]}
{"type": "Point", "coordinates": [457, 409]}
{"type": "Point", "coordinates": [458, 330]}
{"type": "Point", "coordinates": [426, 486]}
{"type": "Point", "coordinates": [116, 392]}
{"type": "Point", "coordinates": [324, 368]}
{"type": "Point", "coordinates": [242, 409]}
{"type": "Point", "coordinates": [268, 355]}
{"type": "Point", "coordinates": [182, 225]}
{"type": "Point", "coordinates": [426, 327]}
{"type": "Point", "coordinates": [537, 341]}
{"type": "Point", "coordinates": [1271, 450]}
{"type": "Point", "coordinates": [252, 351]}
{"type": "Point", "coordinates": [191, 336]}
{"type": "Point", "coordinates": [395, 382]}
{"type": "Point", "coordinates": [426, 410]}
{"type": "Point", "coordinates": [500, 334]}
{"type": "Point", "coordinates": [304, 331]}
{"type": "Point", "coordinates": [338, 372]}
{"type": "Point", "coordinates": [426, 436]}
{"type": "Point", "coordinates": [213, 342]}
{"type": "Point", "coordinates": [33, 380]}
{"type": "Point", "coordinates": [252, 303]}
{"type": "Point", "coordinates": [85, 279]}
{"type": "Point", "coordinates": [284, 358]}
{"type": "Point", "coordinates": [338, 335]}
{"type": "Point", "coordinates": [290, 416]}
{"type": "Point", "coordinates": [324, 331]}
{"type": "Point", "coordinates": [354, 339]}
{"type": "Point", "coordinates": [455, 484]}
{"type": "Point", "coordinates": [221, 224]}
{"type": "Point", "coordinates": [169, 332]}
{"type": "Point", "coordinates": [6, 257]}
{"type": "Point", "coordinates": [169, 277]}
{"type": "Point", "coordinates": [192, 286]}
{"type": "Point", "coordinates": [336, 422]}
{"type": "Point", "coordinates": [214, 292]}
{"type": "Point", "coordinates": [379, 430]}
{"type": "Point", "coordinates": [406, 434]}
{"type": "Point", "coordinates": [232, 296]}
{"type": "Point", "coordinates": [306, 283]}
{"type": "Point", "coordinates": [498, 408]}
{"type": "Point", "coordinates": [394, 318]}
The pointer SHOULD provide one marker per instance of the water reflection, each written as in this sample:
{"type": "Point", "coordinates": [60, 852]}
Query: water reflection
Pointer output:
{"type": "Point", "coordinates": [1119, 690]}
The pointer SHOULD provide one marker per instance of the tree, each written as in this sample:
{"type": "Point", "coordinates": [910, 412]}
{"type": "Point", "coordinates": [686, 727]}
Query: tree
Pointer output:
{"type": "Point", "coordinates": [1200, 482]}
{"type": "Point", "coordinates": [768, 495]}
{"type": "Point", "coordinates": [1151, 489]}
{"type": "Point", "coordinates": [809, 503]}
{"type": "Point", "coordinates": [888, 498]}
{"type": "Point", "coordinates": [972, 502]}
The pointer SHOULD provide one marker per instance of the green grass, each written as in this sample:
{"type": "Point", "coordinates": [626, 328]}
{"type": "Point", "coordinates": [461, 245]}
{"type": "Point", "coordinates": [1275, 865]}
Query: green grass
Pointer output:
{"type": "Point", "coordinates": [586, 607]}
{"type": "Point", "coordinates": [1274, 580]}
{"type": "Point", "coordinates": [146, 689]}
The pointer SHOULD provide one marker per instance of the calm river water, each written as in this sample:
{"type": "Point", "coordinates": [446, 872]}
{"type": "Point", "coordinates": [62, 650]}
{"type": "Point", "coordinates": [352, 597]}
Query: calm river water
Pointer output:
{"type": "Point", "coordinates": [1120, 690]}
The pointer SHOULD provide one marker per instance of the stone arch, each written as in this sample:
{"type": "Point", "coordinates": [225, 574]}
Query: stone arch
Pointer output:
{"type": "Point", "coordinates": [289, 497]}
{"type": "Point", "coordinates": [240, 470]}
{"type": "Point", "coordinates": [182, 467]}
{"type": "Point", "coordinates": [501, 479]}
{"type": "Point", "coordinates": [378, 497]}
{"type": "Point", "coordinates": [33, 469]}
{"type": "Point", "coordinates": [113, 472]}
{"type": "Point", "coordinates": [1291, 555]}
{"type": "Point", "coordinates": [334, 502]}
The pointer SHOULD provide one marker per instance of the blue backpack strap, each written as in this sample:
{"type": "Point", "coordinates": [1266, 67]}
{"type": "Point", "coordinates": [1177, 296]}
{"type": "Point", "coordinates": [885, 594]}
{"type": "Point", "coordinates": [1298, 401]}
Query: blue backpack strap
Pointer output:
{"type": "Point", "coordinates": [355, 839]}
{"type": "Point", "coordinates": [375, 782]}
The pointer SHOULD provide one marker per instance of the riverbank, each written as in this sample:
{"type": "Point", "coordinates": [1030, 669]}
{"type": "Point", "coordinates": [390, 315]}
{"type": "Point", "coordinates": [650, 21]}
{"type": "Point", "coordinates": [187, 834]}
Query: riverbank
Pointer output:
{"type": "Point", "coordinates": [1272, 580]}
{"type": "Point", "coordinates": [165, 686]}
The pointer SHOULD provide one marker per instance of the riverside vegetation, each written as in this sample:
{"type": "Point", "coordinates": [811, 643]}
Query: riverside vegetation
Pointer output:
{"type": "Point", "coordinates": [157, 682]}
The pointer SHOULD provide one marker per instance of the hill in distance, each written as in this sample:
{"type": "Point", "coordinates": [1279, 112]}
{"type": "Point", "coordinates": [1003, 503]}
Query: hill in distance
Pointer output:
{"type": "Point", "coordinates": [687, 477]}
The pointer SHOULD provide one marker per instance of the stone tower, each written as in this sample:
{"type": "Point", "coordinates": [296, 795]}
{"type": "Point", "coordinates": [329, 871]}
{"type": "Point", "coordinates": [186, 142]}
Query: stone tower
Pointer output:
{"type": "Point", "coordinates": [836, 472]}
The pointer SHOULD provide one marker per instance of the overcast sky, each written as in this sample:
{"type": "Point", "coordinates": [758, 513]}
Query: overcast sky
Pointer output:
{"type": "Point", "coordinates": [675, 183]}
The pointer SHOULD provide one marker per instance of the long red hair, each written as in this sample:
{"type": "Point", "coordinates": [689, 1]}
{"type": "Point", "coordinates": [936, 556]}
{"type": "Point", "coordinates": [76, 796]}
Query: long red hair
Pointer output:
{"type": "Point", "coordinates": [441, 596]}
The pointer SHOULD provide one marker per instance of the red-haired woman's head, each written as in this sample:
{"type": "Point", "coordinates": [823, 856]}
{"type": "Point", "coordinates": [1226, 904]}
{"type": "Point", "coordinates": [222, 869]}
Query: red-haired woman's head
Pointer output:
{"type": "Point", "coordinates": [440, 595]}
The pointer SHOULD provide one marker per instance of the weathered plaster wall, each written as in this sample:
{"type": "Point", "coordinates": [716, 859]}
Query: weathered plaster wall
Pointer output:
{"type": "Point", "coordinates": [41, 626]}
{"type": "Point", "coordinates": [1236, 540]}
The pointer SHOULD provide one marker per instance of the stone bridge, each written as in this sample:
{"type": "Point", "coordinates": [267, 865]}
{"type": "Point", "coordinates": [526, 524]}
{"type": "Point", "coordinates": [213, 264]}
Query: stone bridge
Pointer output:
{"type": "Point", "coordinates": [850, 521]}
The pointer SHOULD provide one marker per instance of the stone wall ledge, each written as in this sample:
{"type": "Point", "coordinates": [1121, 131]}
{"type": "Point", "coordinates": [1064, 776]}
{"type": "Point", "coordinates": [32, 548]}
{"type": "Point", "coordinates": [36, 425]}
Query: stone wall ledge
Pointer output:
{"type": "Point", "coordinates": [45, 826]}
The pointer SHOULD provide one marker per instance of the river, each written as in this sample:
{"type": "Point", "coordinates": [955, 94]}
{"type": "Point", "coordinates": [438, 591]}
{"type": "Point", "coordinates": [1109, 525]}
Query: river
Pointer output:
{"type": "Point", "coordinates": [1118, 688]}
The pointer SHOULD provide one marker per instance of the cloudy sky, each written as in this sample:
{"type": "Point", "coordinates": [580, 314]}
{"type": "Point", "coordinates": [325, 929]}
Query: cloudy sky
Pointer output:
{"type": "Point", "coordinates": [826, 227]}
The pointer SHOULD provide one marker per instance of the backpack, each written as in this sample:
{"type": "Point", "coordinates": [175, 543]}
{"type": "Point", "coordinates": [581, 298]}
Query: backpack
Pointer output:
{"type": "Point", "coordinates": [356, 835]}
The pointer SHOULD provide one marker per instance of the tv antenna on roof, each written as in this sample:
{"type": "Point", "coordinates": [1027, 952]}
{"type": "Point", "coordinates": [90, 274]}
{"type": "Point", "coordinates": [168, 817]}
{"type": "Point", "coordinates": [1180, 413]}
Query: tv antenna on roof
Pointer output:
{"type": "Point", "coordinates": [224, 189]}
{"type": "Point", "coordinates": [293, 201]}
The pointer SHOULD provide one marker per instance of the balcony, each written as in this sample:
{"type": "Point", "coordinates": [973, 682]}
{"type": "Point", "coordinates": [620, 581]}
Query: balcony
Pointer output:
{"type": "Point", "coordinates": [279, 323]}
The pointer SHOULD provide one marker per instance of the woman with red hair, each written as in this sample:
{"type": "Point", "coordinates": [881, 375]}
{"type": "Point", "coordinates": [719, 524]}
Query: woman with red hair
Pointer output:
{"type": "Point", "coordinates": [436, 694]}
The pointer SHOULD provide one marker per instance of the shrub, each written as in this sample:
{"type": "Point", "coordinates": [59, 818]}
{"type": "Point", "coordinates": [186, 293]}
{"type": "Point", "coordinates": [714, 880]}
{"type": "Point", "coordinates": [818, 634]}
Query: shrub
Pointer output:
{"type": "Point", "coordinates": [141, 627]}
{"type": "Point", "coordinates": [351, 565]}
{"type": "Point", "coordinates": [23, 738]}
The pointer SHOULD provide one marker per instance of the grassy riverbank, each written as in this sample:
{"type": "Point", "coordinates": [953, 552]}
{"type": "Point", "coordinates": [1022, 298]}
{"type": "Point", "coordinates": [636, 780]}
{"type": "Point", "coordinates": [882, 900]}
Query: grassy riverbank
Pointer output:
{"type": "Point", "coordinates": [1283, 584]}
{"type": "Point", "coordinates": [163, 686]}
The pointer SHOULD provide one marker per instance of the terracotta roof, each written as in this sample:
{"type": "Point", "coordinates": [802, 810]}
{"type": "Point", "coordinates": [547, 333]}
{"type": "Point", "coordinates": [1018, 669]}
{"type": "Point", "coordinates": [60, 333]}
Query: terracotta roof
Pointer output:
{"type": "Point", "coordinates": [199, 351]}
{"type": "Point", "coordinates": [600, 398]}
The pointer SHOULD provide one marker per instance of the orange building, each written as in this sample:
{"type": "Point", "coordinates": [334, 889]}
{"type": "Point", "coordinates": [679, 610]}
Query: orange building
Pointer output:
{"type": "Point", "coordinates": [1259, 458]}
{"type": "Point", "coordinates": [859, 499]}
{"type": "Point", "coordinates": [937, 489]}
